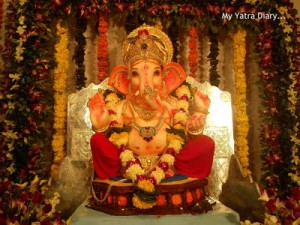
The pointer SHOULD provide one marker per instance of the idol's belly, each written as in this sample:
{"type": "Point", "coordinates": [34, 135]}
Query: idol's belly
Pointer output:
{"type": "Point", "coordinates": [145, 145]}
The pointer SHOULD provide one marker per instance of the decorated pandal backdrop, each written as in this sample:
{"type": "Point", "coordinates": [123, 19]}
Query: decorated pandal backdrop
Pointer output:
{"type": "Point", "coordinates": [58, 54]}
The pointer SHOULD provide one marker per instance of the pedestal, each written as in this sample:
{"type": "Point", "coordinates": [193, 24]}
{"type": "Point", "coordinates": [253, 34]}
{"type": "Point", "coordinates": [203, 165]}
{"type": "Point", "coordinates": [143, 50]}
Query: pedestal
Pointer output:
{"type": "Point", "coordinates": [220, 215]}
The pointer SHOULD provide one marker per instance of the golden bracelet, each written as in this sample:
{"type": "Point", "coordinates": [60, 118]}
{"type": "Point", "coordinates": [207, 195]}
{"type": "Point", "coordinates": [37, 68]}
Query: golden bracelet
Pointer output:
{"type": "Point", "coordinates": [196, 132]}
{"type": "Point", "coordinates": [100, 130]}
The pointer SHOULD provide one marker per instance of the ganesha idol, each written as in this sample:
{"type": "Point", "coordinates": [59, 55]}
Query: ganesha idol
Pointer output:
{"type": "Point", "coordinates": [148, 150]}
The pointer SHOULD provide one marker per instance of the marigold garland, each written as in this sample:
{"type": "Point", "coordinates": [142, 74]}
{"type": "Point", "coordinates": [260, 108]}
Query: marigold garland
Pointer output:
{"type": "Point", "coordinates": [193, 52]}
{"type": "Point", "coordinates": [241, 118]}
{"type": "Point", "coordinates": [60, 98]}
{"type": "Point", "coordinates": [102, 47]}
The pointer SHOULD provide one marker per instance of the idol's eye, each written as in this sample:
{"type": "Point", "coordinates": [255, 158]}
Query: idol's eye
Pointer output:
{"type": "Point", "coordinates": [134, 74]}
{"type": "Point", "coordinates": [156, 73]}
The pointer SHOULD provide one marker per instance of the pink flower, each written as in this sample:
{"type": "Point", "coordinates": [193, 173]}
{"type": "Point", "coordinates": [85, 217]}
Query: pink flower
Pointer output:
{"type": "Point", "coordinates": [131, 7]}
{"type": "Point", "coordinates": [47, 208]}
{"type": "Point", "coordinates": [121, 6]}
{"type": "Point", "coordinates": [38, 107]}
{"type": "Point", "coordinates": [213, 9]}
{"type": "Point", "coordinates": [39, 18]}
{"type": "Point", "coordinates": [38, 197]}
{"type": "Point", "coordinates": [295, 191]}
{"type": "Point", "coordinates": [67, 10]}
{"type": "Point", "coordinates": [271, 205]}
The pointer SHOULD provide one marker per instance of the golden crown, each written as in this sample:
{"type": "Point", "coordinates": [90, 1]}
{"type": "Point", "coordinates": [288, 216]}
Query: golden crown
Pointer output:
{"type": "Point", "coordinates": [147, 42]}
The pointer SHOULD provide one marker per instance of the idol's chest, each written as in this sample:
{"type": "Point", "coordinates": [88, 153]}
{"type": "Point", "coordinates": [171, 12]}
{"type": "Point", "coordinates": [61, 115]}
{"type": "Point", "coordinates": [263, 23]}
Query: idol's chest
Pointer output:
{"type": "Point", "coordinates": [148, 140]}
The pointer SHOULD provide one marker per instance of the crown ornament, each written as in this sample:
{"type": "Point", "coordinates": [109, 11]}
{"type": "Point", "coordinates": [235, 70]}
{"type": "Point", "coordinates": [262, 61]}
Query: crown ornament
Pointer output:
{"type": "Point", "coordinates": [147, 42]}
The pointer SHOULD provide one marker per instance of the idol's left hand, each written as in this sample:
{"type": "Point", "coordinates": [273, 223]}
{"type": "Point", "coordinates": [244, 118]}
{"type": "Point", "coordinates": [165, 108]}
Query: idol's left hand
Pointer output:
{"type": "Point", "coordinates": [196, 122]}
{"type": "Point", "coordinates": [202, 102]}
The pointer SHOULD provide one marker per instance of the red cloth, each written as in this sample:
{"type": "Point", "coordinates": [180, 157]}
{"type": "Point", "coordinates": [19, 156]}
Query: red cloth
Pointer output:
{"type": "Point", "coordinates": [194, 160]}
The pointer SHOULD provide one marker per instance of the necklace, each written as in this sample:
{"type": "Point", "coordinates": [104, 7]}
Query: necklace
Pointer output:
{"type": "Point", "coordinates": [147, 133]}
{"type": "Point", "coordinates": [144, 113]}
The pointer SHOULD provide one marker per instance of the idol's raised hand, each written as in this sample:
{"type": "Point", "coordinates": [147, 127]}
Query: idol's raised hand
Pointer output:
{"type": "Point", "coordinates": [196, 123]}
{"type": "Point", "coordinates": [202, 102]}
{"type": "Point", "coordinates": [98, 112]}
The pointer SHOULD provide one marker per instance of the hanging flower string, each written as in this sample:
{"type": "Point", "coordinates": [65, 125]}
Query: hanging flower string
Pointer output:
{"type": "Point", "coordinates": [214, 77]}
{"type": "Point", "coordinates": [193, 51]}
{"type": "Point", "coordinates": [146, 180]}
{"type": "Point", "coordinates": [60, 98]}
{"type": "Point", "coordinates": [1, 21]}
{"type": "Point", "coordinates": [79, 53]}
{"type": "Point", "coordinates": [279, 137]}
{"type": "Point", "coordinates": [102, 47]}
{"type": "Point", "coordinates": [290, 34]}
{"type": "Point", "coordinates": [241, 118]}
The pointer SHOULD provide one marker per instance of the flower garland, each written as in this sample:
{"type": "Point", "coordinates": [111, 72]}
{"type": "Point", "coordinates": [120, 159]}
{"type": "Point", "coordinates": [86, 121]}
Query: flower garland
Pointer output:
{"type": "Point", "coordinates": [193, 51]}
{"type": "Point", "coordinates": [60, 98]}
{"type": "Point", "coordinates": [9, 84]}
{"type": "Point", "coordinates": [1, 20]}
{"type": "Point", "coordinates": [293, 91]}
{"type": "Point", "coordinates": [102, 47]}
{"type": "Point", "coordinates": [25, 102]}
{"type": "Point", "coordinates": [280, 134]}
{"type": "Point", "coordinates": [27, 203]}
{"type": "Point", "coordinates": [174, 36]}
{"type": "Point", "coordinates": [241, 118]}
{"type": "Point", "coordinates": [214, 77]}
{"type": "Point", "coordinates": [81, 25]}
{"type": "Point", "coordinates": [147, 180]}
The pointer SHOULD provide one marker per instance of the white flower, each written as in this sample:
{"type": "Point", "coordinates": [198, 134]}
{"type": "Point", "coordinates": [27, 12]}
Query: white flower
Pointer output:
{"type": "Point", "coordinates": [168, 159]}
{"type": "Point", "coordinates": [126, 156]}
{"type": "Point", "coordinates": [158, 174]}
{"type": "Point", "coordinates": [21, 29]}
{"type": "Point", "coordinates": [287, 29]}
{"type": "Point", "coordinates": [11, 105]}
{"type": "Point", "coordinates": [21, 20]}
{"type": "Point", "coordinates": [176, 145]}
{"type": "Point", "coordinates": [14, 87]}
{"type": "Point", "coordinates": [22, 2]}
{"type": "Point", "coordinates": [10, 134]}
{"type": "Point", "coordinates": [19, 52]}
{"type": "Point", "coordinates": [11, 168]}
{"type": "Point", "coordinates": [9, 156]}
{"type": "Point", "coordinates": [14, 77]}
{"type": "Point", "coordinates": [264, 196]}
{"type": "Point", "coordinates": [134, 170]}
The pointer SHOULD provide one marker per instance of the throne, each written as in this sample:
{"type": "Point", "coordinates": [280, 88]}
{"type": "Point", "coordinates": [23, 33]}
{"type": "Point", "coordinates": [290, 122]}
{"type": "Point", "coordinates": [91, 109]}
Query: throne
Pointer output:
{"type": "Point", "coordinates": [218, 127]}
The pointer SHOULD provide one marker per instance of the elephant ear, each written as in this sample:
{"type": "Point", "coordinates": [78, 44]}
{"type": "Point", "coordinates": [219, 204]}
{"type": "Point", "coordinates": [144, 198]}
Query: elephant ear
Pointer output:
{"type": "Point", "coordinates": [118, 79]}
{"type": "Point", "coordinates": [174, 75]}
